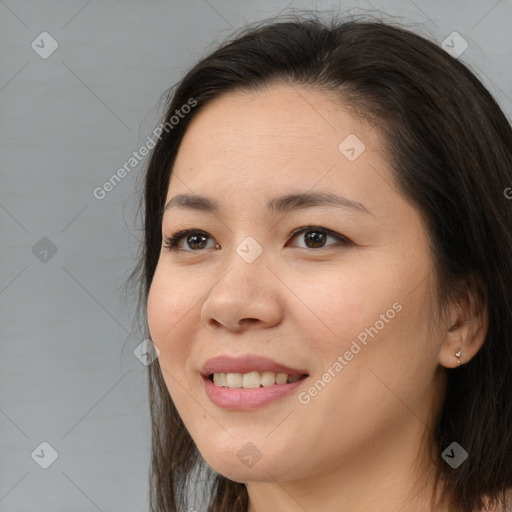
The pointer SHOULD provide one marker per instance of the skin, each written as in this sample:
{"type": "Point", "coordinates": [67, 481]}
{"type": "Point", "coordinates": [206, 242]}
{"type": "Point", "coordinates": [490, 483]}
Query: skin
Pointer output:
{"type": "Point", "coordinates": [358, 445]}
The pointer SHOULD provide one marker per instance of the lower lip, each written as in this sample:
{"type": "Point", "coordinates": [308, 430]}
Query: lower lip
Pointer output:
{"type": "Point", "coordinates": [236, 399]}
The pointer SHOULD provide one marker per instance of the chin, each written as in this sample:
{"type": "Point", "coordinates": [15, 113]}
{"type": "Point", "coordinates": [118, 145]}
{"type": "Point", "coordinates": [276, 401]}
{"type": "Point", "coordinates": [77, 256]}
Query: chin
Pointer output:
{"type": "Point", "coordinates": [244, 462]}
{"type": "Point", "coordinates": [245, 475]}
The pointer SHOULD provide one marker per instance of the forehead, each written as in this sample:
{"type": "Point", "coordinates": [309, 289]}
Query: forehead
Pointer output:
{"type": "Point", "coordinates": [283, 137]}
{"type": "Point", "coordinates": [273, 116]}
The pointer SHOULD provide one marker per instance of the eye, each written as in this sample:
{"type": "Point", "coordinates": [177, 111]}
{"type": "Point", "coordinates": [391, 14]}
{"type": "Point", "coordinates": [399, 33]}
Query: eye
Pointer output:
{"type": "Point", "coordinates": [193, 238]}
{"type": "Point", "coordinates": [315, 237]}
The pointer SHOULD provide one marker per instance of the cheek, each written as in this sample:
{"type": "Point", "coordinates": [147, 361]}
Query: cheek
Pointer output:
{"type": "Point", "coordinates": [170, 314]}
{"type": "Point", "coordinates": [169, 300]}
{"type": "Point", "coordinates": [375, 320]}
{"type": "Point", "coordinates": [336, 305]}
{"type": "Point", "coordinates": [170, 308]}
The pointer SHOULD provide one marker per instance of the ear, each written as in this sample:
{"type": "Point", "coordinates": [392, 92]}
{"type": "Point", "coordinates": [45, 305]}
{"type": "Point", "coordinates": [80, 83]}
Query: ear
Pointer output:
{"type": "Point", "coordinates": [467, 326]}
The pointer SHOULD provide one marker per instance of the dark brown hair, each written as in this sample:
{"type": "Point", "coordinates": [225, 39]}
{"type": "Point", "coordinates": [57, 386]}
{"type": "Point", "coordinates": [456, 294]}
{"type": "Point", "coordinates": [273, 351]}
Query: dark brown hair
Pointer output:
{"type": "Point", "coordinates": [450, 147]}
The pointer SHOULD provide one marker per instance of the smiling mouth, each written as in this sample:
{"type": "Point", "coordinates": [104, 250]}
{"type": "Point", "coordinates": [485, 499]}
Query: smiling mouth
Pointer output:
{"type": "Point", "coordinates": [253, 379]}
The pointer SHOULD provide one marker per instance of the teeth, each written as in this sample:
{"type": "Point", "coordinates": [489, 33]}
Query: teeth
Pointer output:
{"type": "Point", "coordinates": [281, 378]}
{"type": "Point", "coordinates": [252, 379]}
{"type": "Point", "coordinates": [268, 379]}
{"type": "Point", "coordinates": [220, 379]}
{"type": "Point", "coordinates": [234, 380]}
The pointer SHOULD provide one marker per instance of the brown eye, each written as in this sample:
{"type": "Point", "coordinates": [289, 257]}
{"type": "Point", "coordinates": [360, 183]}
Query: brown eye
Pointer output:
{"type": "Point", "coordinates": [196, 241]}
{"type": "Point", "coordinates": [189, 240]}
{"type": "Point", "coordinates": [316, 238]}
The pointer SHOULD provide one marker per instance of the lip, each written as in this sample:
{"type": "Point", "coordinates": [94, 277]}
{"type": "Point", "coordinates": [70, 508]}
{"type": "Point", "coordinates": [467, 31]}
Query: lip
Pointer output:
{"type": "Point", "coordinates": [238, 399]}
{"type": "Point", "coordinates": [246, 364]}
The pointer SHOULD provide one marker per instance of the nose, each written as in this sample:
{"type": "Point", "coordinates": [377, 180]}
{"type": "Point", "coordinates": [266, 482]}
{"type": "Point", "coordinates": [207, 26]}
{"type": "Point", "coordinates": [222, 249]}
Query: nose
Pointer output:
{"type": "Point", "coordinates": [245, 297]}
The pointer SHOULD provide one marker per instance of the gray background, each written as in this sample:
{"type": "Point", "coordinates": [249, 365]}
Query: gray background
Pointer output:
{"type": "Point", "coordinates": [68, 375]}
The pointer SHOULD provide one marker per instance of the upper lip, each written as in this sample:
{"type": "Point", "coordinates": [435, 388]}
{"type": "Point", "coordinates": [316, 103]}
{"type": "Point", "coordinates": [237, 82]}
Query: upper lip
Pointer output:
{"type": "Point", "coordinates": [246, 364]}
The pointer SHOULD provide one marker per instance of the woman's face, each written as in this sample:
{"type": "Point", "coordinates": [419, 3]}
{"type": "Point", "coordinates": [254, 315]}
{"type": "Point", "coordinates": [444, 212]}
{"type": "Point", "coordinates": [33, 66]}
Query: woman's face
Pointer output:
{"type": "Point", "coordinates": [307, 263]}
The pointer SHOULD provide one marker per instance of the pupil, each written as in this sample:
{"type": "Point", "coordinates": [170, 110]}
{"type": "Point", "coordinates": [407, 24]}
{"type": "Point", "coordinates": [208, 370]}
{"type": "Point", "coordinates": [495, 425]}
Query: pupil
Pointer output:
{"type": "Point", "coordinates": [193, 239]}
{"type": "Point", "coordinates": [316, 238]}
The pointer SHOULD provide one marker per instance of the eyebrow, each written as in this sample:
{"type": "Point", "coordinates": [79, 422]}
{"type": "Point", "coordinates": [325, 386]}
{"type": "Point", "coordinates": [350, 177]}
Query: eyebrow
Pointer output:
{"type": "Point", "coordinates": [281, 204]}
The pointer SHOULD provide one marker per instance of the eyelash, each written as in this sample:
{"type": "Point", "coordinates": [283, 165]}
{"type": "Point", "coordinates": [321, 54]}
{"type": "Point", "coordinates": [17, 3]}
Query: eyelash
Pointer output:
{"type": "Point", "coordinates": [171, 242]}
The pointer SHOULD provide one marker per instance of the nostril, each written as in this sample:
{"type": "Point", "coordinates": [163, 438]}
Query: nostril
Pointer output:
{"type": "Point", "coordinates": [248, 320]}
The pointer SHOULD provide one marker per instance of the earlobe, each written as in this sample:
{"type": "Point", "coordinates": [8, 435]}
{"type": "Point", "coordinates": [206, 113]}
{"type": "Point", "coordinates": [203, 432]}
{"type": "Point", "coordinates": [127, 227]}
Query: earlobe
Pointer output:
{"type": "Point", "coordinates": [451, 351]}
{"type": "Point", "coordinates": [467, 325]}
{"type": "Point", "coordinates": [463, 340]}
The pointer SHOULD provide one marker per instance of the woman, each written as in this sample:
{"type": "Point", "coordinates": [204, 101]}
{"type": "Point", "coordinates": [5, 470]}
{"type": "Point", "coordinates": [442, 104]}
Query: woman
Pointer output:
{"type": "Point", "coordinates": [327, 270]}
